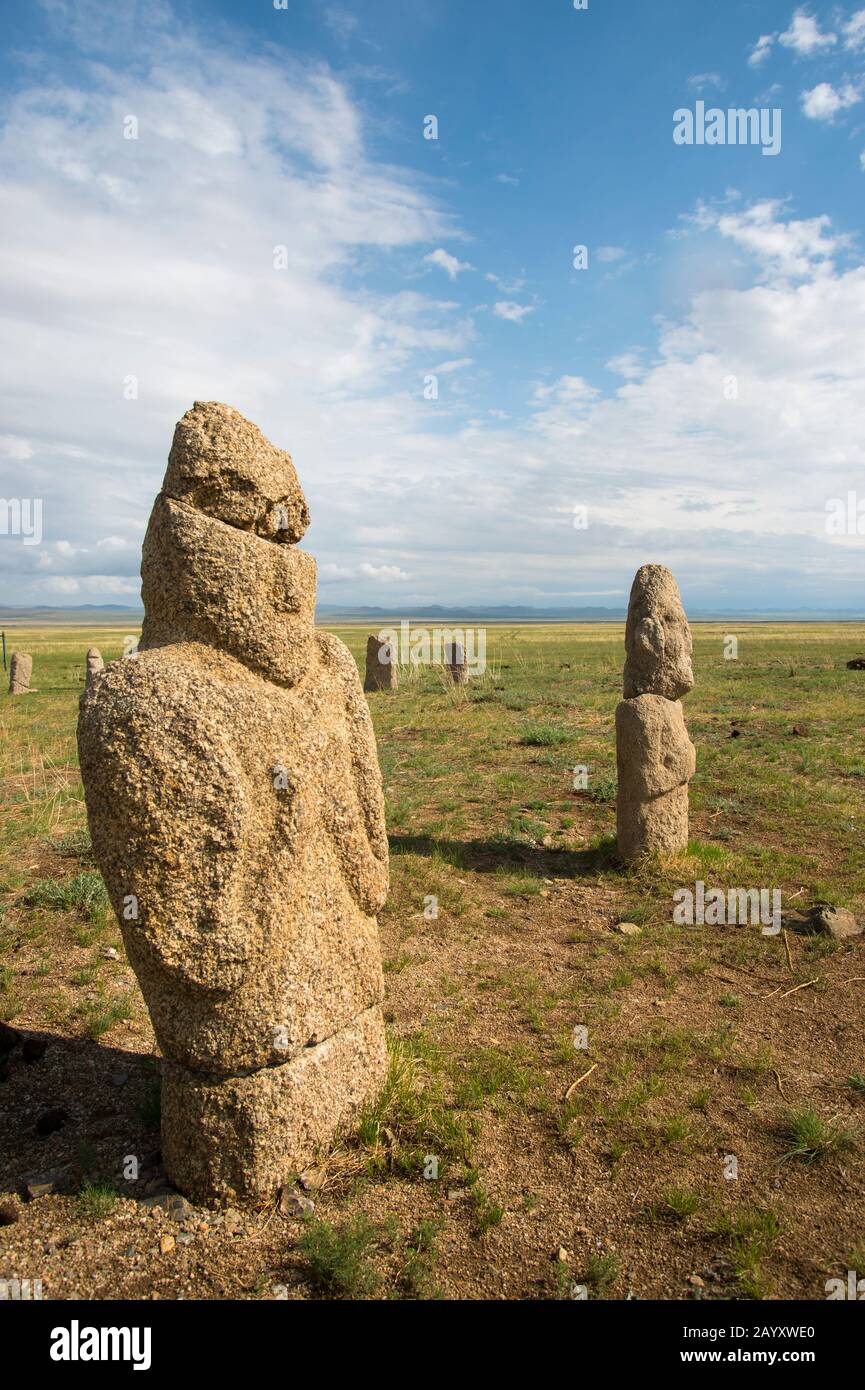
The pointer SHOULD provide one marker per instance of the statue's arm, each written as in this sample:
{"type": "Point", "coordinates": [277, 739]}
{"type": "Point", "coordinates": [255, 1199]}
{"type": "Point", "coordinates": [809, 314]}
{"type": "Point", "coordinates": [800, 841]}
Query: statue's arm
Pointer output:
{"type": "Point", "coordinates": [354, 803]}
{"type": "Point", "coordinates": [164, 792]}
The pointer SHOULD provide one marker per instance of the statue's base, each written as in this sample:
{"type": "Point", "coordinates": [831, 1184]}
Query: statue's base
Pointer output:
{"type": "Point", "coordinates": [653, 827]}
{"type": "Point", "coordinates": [383, 679]}
{"type": "Point", "coordinates": [242, 1138]}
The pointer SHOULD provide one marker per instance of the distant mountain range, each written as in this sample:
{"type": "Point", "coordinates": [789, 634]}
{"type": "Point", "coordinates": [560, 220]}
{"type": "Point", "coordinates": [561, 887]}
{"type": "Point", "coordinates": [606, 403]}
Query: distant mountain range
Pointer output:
{"type": "Point", "coordinates": [476, 612]}
{"type": "Point", "coordinates": [508, 613]}
{"type": "Point", "coordinates": [83, 614]}
{"type": "Point", "coordinates": [334, 613]}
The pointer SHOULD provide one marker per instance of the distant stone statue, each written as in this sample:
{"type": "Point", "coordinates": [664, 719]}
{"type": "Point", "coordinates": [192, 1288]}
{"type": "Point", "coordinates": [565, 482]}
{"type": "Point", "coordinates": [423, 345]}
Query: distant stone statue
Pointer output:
{"type": "Point", "coordinates": [236, 811]}
{"type": "Point", "coordinates": [655, 757]}
{"type": "Point", "coordinates": [455, 662]}
{"type": "Point", "coordinates": [381, 672]}
{"type": "Point", "coordinates": [20, 671]}
{"type": "Point", "coordinates": [95, 664]}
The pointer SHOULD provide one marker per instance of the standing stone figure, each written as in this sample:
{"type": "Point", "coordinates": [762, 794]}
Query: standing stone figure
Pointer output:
{"type": "Point", "coordinates": [455, 662]}
{"type": "Point", "coordinates": [95, 664]}
{"type": "Point", "coordinates": [235, 805]}
{"type": "Point", "coordinates": [381, 671]}
{"type": "Point", "coordinates": [20, 671]}
{"type": "Point", "coordinates": [655, 757]}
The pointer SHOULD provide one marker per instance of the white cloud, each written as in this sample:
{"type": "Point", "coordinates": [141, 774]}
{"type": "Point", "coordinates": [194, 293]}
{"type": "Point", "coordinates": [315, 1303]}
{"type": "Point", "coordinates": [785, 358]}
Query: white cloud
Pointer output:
{"type": "Point", "coordinates": [511, 312]}
{"type": "Point", "coordinates": [701, 80]}
{"type": "Point", "coordinates": [824, 101]}
{"type": "Point", "coordinates": [12, 446]}
{"type": "Point", "coordinates": [507, 178]}
{"type": "Point", "coordinates": [90, 586]}
{"type": "Point", "coordinates": [383, 572]}
{"type": "Point", "coordinates": [174, 281]}
{"type": "Point", "coordinates": [446, 262]}
{"type": "Point", "coordinates": [785, 250]}
{"type": "Point", "coordinates": [59, 585]}
{"type": "Point", "coordinates": [329, 571]}
{"type": "Point", "coordinates": [627, 364]}
{"type": "Point", "coordinates": [559, 409]}
{"type": "Point", "coordinates": [805, 36]}
{"type": "Point", "coordinates": [188, 117]}
{"type": "Point", "coordinates": [608, 254]}
{"type": "Point", "coordinates": [761, 50]}
{"type": "Point", "coordinates": [506, 286]}
{"type": "Point", "coordinates": [454, 365]}
{"type": "Point", "coordinates": [568, 390]}
{"type": "Point", "coordinates": [854, 31]}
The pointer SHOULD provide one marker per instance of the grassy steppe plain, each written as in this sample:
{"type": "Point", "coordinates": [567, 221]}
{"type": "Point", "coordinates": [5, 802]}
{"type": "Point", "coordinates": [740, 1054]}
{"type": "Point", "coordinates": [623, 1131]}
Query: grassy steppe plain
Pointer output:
{"type": "Point", "coordinates": [704, 1139]}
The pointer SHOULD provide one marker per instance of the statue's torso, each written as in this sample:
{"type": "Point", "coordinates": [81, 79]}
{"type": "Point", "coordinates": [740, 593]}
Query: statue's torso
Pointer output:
{"type": "Point", "coordinates": [243, 818]}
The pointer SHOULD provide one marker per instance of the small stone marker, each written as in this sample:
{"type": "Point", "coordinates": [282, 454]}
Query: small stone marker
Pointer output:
{"type": "Point", "coordinates": [20, 671]}
{"type": "Point", "coordinates": [381, 672]}
{"type": "Point", "coordinates": [95, 664]}
{"type": "Point", "coordinates": [455, 662]}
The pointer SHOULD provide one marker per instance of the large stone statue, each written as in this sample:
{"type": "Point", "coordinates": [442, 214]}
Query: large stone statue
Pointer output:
{"type": "Point", "coordinates": [235, 805]}
{"type": "Point", "coordinates": [654, 755]}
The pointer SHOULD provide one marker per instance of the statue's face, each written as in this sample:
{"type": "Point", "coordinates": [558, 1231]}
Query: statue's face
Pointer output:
{"type": "Point", "coordinates": [657, 638]}
{"type": "Point", "coordinates": [273, 630]}
{"type": "Point", "coordinates": [210, 582]}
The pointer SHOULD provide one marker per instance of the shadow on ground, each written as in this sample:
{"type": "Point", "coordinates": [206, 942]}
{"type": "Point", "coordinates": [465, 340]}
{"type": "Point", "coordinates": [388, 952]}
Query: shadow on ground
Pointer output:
{"type": "Point", "coordinates": [76, 1111]}
{"type": "Point", "coordinates": [489, 856]}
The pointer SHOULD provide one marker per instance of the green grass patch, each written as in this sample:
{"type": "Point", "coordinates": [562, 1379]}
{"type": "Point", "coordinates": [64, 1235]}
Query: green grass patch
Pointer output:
{"type": "Point", "coordinates": [84, 894]}
{"type": "Point", "coordinates": [411, 1120]}
{"type": "Point", "coordinates": [338, 1259]}
{"type": "Point", "coordinates": [748, 1236]}
{"type": "Point", "coordinates": [811, 1138]}
{"type": "Point", "coordinates": [96, 1200]}
{"type": "Point", "coordinates": [545, 736]}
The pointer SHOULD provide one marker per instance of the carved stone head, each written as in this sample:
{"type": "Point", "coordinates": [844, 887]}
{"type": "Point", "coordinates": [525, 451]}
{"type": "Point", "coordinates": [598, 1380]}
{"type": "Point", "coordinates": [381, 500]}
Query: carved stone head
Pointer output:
{"type": "Point", "coordinates": [658, 641]}
{"type": "Point", "coordinates": [219, 564]}
{"type": "Point", "coordinates": [221, 464]}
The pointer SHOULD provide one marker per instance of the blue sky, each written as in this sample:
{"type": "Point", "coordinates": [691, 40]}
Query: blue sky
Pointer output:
{"type": "Point", "coordinates": [698, 388]}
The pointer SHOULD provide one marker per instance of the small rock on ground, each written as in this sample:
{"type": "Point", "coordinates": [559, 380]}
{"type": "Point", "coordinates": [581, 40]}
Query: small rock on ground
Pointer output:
{"type": "Point", "coordinates": [825, 920]}
{"type": "Point", "coordinates": [295, 1204]}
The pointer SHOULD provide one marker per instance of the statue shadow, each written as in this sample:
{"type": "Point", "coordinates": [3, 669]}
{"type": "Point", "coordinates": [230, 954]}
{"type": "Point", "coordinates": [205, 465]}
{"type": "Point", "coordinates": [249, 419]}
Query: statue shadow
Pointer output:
{"type": "Point", "coordinates": [497, 856]}
{"type": "Point", "coordinates": [75, 1112]}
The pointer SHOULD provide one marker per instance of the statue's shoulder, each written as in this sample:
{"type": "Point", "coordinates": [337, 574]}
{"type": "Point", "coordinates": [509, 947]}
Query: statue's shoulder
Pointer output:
{"type": "Point", "coordinates": [333, 651]}
{"type": "Point", "coordinates": [180, 670]}
{"type": "Point", "coordinates": [162, 696]}
{"type": "Point", "coordinates": [650, 709]}
{"type": "Point", "coordinates": [337, 659]}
